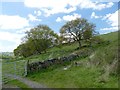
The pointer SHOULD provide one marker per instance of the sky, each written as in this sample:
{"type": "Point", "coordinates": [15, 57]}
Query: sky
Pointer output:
{"type": "Point", "coordinates": [19, 16]}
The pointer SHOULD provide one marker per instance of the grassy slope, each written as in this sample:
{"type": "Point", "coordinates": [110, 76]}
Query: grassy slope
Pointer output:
{"type": "Point", "coordinates": [54, 52]}
{"type": "Point", "coordinates": [87, 75]}
{"type": "Point", "coordinates": [110, 36]}
{"type": "Point", "coordinates": [18, 84]}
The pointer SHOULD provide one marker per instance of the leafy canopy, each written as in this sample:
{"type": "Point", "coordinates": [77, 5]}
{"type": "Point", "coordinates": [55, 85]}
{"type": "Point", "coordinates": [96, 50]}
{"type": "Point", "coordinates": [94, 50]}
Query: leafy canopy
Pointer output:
{"type": "Point", "coordinates": [80, 29]}
{"type": "Point", "coordinates": [36, 41]}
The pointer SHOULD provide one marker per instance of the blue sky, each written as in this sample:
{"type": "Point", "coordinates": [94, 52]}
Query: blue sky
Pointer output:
{"type": "Point", "coordinates": [18, 17]}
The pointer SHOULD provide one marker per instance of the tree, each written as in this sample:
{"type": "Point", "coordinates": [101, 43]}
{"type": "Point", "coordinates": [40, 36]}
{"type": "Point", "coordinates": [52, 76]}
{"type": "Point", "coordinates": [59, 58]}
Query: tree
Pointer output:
{"type": "Point", "coordinates": [80, 29]}
{"type": "Point", "coordinates": [36, 41]}
{"type": "Point", "coordinates": [23, 50]}
{"type": "Point", "coordinates": [42, 37]}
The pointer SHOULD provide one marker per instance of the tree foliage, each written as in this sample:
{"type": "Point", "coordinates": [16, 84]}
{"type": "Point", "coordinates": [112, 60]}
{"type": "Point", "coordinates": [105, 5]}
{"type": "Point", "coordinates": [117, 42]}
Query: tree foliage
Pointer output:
{"type": "Point", "coordinates": [80, 29]}
{"type": "Point", "coordinates": [41, 37]}
{"type": "Point", "coordinates": [36, 41]}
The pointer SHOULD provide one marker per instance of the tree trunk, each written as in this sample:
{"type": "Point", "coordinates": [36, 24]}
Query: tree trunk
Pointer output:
{"type": "Point", "coordinates": [79, 44]}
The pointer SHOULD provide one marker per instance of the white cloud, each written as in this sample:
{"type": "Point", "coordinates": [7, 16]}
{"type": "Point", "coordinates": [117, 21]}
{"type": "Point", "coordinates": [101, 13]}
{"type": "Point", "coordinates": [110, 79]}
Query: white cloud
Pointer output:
{"type": "Point", "coordinates": [12, 37]}
{"type": "Point", "coordinates": [33, 18]}
{"type": "Point", "coordinates": [45, 3]}
{"type": "Point", "coordinates": [56, 10]}
{"type": "Point", "coordinates": [6, 38]}
{"type": "Point", "coordinates": [12, 0]}
{"type": "Point", "coordinates": [112, 18]}
{"type": "Point", "coordinates": [71, 9]}
{"type": "Point", "coordinates": [37, 13]}
{"type": "Point", "coordinates": [50, 7]}
{"type": "Point", "coordinates": [107, 0]}
{"type": "Point", "coordinates": [10, 41]}
{"type": "Point", "coordinates": [93, 15]}
{"type": "Point", "coordinates": [71, 17]}
{"type": "Point", "coordinates": [58, 19]}
{"type": "Point", "coordinates": [22, 31]}
{"type": "Point", "coordinates": [95, 5]}
{"type": "Point", "coordinates": [108, 30]}
{"type": "Point", "coordinates": [8, 48]}
{"type": "Point", "coordinates": [109, 5]}
{"type": "Point", "coordinates": [13, 22]}
{"type": "Point", "coordinates": [68, 17]}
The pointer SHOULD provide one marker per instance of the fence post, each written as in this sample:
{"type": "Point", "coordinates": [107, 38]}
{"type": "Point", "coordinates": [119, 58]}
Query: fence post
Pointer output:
{"type": "Point", "coordinates": [15, 70]}
{"type": "Point", "coordinates": [26, 68]}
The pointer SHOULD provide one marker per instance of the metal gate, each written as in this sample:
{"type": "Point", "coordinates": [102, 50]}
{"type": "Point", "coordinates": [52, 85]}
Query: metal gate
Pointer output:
{"type": "Point", "coordinates": [16, 68]}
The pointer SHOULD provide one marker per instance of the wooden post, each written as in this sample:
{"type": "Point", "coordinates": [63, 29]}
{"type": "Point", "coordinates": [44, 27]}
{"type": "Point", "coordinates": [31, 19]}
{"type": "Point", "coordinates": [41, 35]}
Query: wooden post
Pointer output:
{"type": "Point", "coordinates": [15, 70]}
{"type": "Point", "coordinates": [26, 68]}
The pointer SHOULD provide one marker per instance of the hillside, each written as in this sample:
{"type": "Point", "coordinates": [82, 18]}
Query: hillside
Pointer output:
{"type": "Point", "coordinates": [6, 55]}
{"type": "Point", "coordinates": [96, 66]}
{"type": "Point", "coordinates": [99, 69]}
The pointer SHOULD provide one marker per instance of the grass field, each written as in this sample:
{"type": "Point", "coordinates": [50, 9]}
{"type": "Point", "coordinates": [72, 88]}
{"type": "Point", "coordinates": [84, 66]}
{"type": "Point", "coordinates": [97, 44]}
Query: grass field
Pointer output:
{"type": "Point", "coordinates": [54, 53]}
{"type": "Point", "coordinates": [74, 77]}
{"type": "Point", "coordinates": [17, 83]}
{"type": "Point", "coordinates": [16, 67]}
{"type": "Point", "coordinates": [88, 74]}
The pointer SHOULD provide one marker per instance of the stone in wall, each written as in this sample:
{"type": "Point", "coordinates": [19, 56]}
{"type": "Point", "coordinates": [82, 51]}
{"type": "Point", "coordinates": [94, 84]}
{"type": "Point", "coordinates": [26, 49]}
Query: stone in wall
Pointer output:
{"type": "Point", "coordinates": [36, 66]}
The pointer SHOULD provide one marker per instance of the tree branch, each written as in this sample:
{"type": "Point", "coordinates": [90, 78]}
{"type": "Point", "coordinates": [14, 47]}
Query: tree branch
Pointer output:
{"type": "Point", "coordinates": [72, 33]}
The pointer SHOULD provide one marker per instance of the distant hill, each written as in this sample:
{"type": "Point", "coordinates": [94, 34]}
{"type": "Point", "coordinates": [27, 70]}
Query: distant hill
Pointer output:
{"type": "Point", "coordinates": [6, 55]}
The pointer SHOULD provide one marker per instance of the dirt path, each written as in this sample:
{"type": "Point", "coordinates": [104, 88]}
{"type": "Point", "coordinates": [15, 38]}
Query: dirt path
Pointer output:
{"type": "Point", "coordinates": [29, 83]}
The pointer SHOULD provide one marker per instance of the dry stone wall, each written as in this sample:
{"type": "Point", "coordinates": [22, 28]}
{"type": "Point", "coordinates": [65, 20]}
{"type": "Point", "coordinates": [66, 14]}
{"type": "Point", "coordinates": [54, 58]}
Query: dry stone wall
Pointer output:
{"type": "Point", "coordinates": [37, 66]}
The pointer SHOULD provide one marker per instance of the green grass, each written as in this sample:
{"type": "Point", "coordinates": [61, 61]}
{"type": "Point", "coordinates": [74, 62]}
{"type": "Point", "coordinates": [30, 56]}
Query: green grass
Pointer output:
{"type": "Point", "coordinates": [18, 84]}
{"type": "Point", "coordinates": [54, 53]}
{"type": "Point", "coordinates": [74, 77]}
{"type": "Point", "coordinates": [85, 76]}
{"type": "Point", "coordinates": [113, 36]}
{"type": "Point", "coordinates": [16, 67]}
